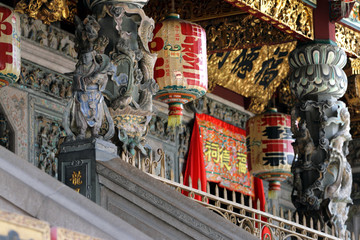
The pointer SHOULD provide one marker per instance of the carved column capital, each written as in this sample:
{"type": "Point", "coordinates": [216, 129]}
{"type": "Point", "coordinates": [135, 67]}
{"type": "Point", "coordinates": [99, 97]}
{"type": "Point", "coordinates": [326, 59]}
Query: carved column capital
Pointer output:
{"type": "Point", "coordinates": [317, 71]}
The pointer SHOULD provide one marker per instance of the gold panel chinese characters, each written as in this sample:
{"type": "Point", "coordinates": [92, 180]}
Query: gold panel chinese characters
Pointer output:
{"type": "Point", "coordinates": [253, 72]}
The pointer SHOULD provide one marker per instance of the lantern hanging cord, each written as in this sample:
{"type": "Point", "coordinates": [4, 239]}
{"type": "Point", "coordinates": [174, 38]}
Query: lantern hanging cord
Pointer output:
{"type": "Point", "coordinates": [172, 6]}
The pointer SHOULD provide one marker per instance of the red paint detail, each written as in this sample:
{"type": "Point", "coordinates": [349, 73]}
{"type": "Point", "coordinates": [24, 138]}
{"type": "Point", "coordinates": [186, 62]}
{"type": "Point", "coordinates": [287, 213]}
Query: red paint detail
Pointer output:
{"type": "Point", "coordinates": [4, 57]}
{"type": "Point", "coordinates": [190, 29]}
{"type": "Point", "coordinates": [275, 119]}
{"type": "Point", "coordinates": [277, 146]}
{"type": "Point", "coordinates": [324, 29]}
{"type": "Point", "coordinates": [274, 185]}
{"type": "Point", "coordinates": [5, 27]}
{"type": "Point", "coordinates": [229, 95]}
{"type": "Point", "coordinates": [266, 233]}
{"type": "Point", "coordinates": [157, 42]}
{"type": "Point", "coordinates": [53, 233]}
{"type": "Point", "coordinates": [175, 110]}
{"type": "Point", "coordinates": [193, 62]}
{"type": "Point", "coordinates": [158, 71]}
{"type": "Point", "coordinates": [4, 83]}
{"type": "Point", "coordinates": [158, 26]}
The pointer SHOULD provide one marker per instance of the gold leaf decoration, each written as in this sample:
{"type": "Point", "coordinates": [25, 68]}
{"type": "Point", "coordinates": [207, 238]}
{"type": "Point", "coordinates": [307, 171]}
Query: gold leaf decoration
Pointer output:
{"type": "Point", "coordinates": [253, 72]}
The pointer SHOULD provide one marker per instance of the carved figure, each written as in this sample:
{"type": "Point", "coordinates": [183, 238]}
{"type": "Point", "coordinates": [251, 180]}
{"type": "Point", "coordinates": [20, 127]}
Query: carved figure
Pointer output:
{"type": "Point", "coordinates": [88, 107]}
{"type": "Point", "coordinates": [132, 86]}
{"type": "Point", "coordinates": [48, 138]}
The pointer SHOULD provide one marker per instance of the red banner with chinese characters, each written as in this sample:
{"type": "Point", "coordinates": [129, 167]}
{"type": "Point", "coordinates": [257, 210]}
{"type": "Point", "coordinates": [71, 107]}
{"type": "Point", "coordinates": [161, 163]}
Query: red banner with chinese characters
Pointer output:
{"type": "Point", "coordinates": [224, 149]}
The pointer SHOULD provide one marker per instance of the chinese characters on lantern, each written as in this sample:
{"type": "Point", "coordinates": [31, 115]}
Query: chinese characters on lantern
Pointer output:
{"type": "Point", "coordinates": [181, 65]}
{"type": "Point", "coordinates": [9, 46]}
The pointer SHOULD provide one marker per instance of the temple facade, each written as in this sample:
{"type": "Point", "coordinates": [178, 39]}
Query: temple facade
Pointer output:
{"type": "Point", "coordinates": [89, 144]}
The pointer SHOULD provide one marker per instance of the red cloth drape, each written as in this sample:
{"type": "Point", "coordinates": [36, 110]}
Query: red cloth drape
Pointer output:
{"type": "Point", "coordinates": [259, 193]}
{"type": "Point", "coordinates": [195, 167]}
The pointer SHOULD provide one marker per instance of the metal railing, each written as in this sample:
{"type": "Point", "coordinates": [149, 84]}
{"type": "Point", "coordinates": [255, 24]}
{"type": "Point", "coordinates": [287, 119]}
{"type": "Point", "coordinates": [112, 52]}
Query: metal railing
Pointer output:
{"type": "Point", "coordinates": [268, 224]}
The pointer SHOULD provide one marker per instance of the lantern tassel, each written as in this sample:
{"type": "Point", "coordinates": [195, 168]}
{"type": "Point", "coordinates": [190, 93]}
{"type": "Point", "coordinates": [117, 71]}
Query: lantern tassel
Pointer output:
{"type": "Point", "coordinates": [274, 189]}
{"type": "Point", "coordinates": [174, 120]}
{"type": "Point", "coordinates": [175, 114]}
{"type": "Point", "coordinates": [273, 194]}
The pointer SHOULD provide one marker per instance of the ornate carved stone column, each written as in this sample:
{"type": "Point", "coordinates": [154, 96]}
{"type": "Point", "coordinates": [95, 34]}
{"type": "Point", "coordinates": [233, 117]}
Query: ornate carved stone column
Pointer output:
{"type": "Point", "coordinates": [321, 127]}
{"type": "Point", "coordinates": [126, 30]}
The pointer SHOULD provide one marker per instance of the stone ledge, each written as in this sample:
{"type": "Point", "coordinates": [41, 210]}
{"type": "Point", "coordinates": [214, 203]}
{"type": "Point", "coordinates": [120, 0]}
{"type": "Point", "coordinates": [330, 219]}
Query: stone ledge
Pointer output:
{"type": "Point", "coordinates": [45, 57]}
{"type": "Point", "coordinates": [166, 204]}
{"type": "Point", "coordinates": [39, 195]}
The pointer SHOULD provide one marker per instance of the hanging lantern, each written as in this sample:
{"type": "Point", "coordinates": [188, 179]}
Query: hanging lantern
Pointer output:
{"type": "Point", "coordinates": [270, 152]}
{"type": "Point", "coordinates": [181, 65]}
{"type": "Point", "coordinates": [10, 60]}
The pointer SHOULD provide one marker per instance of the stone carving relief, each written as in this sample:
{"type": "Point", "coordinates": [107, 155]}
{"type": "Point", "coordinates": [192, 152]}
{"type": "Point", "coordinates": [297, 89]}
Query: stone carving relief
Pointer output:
{"type": "Point", "coordinates": [42, 80]}
{"type": "Point", "coordinates": [48, 36]}
{"type": "Point", "coordinates": [14, 103]}
{"type": "Point", "coordinates": [219, 110]}
{"type": "Point", "coordinates": [158, 128]}
{"type": "Point", "coordinates": [4, 132]}
{"type": "Point", "coordinates": [48, 139]}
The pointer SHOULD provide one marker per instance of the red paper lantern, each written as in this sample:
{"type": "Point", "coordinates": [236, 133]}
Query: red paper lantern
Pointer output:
{"type": "Point", "coordinates": [10, 60]}
{"type": "Point", "coordinates": [270, 152]}
{"type": "Point", "coordinates": [181, 65]}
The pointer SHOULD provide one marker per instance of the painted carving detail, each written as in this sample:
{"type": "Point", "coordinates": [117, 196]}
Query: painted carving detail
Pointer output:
{"type": "Point", "coordinates": [321, 127]}
{"type": "Point", "coordinates": [49, 133]}
{"type": "Point", "coordinates": [42, 80]}
{"type": "Point", "coordinates": [87, 108]}
{"type": "Point", "coordinates": [219, 110]}
{"type": "Point", "coordinates": [48, 36]}
{"type": "Point", "coordinates": [4, 132]}
{"type": "Point", "coordinates": [132, 86]}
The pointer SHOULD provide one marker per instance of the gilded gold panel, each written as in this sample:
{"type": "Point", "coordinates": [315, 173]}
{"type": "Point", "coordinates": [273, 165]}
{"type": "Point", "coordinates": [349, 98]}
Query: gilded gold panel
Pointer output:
{"type": "Point", "coordinates": [226, 26]}
{"type": "Point", "coordinates": [241, 31]}
{"type": "Point", "coordinates": [46, 10]}
{"type": "Point", "coordinates": [292, 13]}
{"type": "Point", "coordinates": [253, 72]}
{"type": "Point", "coordinates": [348, 39]}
